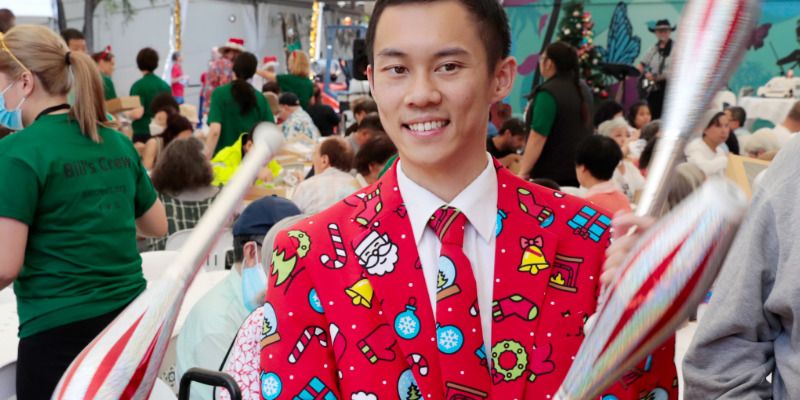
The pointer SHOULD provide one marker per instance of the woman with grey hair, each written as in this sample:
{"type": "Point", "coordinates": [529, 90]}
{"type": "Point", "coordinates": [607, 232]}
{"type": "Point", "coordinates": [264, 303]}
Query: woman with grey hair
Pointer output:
{"type": "Point", "coordinates": [626, 176]}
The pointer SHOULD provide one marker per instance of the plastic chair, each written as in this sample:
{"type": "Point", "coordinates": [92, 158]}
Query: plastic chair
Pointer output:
{"type": "Point", "coordinates": [154, 263]}
{"type": "Point", "coordinates": [217, 255]}
{"type": "Point", "coordinates": [177, 239]}
{"type": "Point", "coordinates": [8, 381]}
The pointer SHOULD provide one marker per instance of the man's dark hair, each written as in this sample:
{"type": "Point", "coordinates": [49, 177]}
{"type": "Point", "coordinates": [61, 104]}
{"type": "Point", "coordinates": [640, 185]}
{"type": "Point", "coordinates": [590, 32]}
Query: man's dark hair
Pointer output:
{"type": "Point", "coordinates": [72, 34]}
{"type": "Point", "coordinates": [488, 16]}
{"type": "Point", "coordinates": [371, 122]}
{"type": "Point", "coordinates": [376, 151]}
{"type": "Point", "coordinates": [546, 182]}
{"type": "Point", "coordinates": [516, 126]}
{"type": "Point", "coordinates": [175, 56]}
{"type": "Point", "coordinates": [164, 102]}
{"type": "Point", "coordinates": [606, 111]}
{"type": "Point", "coordinates": [147, 59]}
{"type": "Point", "coordinates": [600, 155]}
{"type": "Point", "coordinates": [181, 166]}
{"type": "Point", "coordinates": [244, 66]}
{"type": "Point", "coordinates": [7, 20]}
{"type": "Point", "coordinates": [365, 106]}
{"type": "Point", "coordinates": [339, 154]}
{"type": "Point", "coordinates": [738, 114]}
{"type": "Point", "coordinates": [271, 87]}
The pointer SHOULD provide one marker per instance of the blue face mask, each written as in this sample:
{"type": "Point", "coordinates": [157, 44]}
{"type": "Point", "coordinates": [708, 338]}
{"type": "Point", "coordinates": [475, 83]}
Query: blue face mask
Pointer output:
{"type": "Point", "coordinates": [11, 119]}
{"type": "Point", "coordinates": [254, 286]}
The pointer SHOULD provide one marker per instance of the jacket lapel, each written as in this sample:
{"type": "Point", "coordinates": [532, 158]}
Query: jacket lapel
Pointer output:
{"type": "Point", "coordinates": [399, 289]}
{"type": "Point", "coordinates": [524, 255]}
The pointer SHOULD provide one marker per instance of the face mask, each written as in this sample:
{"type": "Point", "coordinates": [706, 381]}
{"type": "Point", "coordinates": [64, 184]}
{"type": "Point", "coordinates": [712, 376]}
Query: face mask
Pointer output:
{"type": "Point", "coordinates": [156, 129]}
{"type": "Point", "coordinates": [11, 119]}
{"type": "Point", "coordinates": [254, 280]}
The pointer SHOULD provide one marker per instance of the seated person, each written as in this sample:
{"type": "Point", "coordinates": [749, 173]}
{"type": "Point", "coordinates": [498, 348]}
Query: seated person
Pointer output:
{"type": "Point", "coordinates": [626, 175]}
{"type": "Point", "coordinates": [177, 127]}
{"type": "Point", "coordinates": [293, 119]}
{"type": "Point", "coordinates": [369, 127]}
{"type": "Point", "coordinates": [737, 116]}
{"type": "Point", "coordinates": [213, 322]}
{"type": "Point", "coordinates": [331, 181]}
{"type": "Point", "coordinates": [242, 361]}
{"type": "Point", "coordinates": [361, 107]}
{"type": "Point", "coordinates": [227, 161]}
{"type": "Point", "coordinates": [508, 142]}
{"type": "Point", "coordinates": [182, 178]}
{"type": "Point", "coordinates": [372, 157]}
{"type": "Point", "coordinates": [762, 145]}
{"type": "Point", "coordinates": [324, 116]}
{"type": "Point", "coordinates": [708, 152]}
{"type": "Point", "coordinates": [607, 110]}
{"type": "Point", "coordinates": [595, 161]}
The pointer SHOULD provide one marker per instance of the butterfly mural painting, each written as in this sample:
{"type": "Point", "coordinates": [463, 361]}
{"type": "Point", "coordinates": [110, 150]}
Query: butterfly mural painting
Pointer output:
{"type": "Point", "coordinates": [623, 45]}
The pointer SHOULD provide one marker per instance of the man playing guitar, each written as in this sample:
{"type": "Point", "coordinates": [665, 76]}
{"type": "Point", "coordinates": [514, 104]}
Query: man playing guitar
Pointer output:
{"type": "Point", "coordinates": [655, 67]}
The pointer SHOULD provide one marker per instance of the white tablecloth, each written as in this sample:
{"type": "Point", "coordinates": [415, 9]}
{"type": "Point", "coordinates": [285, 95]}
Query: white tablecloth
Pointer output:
{"type": "Point", "coordinates": [773, 110]}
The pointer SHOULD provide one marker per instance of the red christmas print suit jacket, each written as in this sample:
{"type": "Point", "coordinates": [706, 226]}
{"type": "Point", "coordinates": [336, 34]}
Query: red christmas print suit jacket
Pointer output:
{"type": "Point", "coordinates": [348, 315]}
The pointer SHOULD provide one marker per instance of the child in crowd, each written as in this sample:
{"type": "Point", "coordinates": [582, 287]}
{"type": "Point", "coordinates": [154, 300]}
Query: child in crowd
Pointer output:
{"type": "Point", "coordinates": [595, 161]}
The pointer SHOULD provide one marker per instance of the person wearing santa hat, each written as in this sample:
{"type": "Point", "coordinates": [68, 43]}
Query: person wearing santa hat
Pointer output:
{"type": "Point", "coordinates": [269, 65]}
{"type": "Point", "coordinates": [220, 71]}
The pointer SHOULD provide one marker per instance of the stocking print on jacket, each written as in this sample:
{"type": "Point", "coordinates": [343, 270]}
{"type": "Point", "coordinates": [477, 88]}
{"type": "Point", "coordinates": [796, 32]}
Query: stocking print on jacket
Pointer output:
{"type": "Point", "coordinates": [350, 315]}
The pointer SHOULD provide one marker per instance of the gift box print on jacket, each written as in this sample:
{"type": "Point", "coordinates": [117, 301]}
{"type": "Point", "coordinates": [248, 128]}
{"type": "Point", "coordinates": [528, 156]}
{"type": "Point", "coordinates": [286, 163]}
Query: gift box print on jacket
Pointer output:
{"type": "Point", "coordinates": [355, 320]}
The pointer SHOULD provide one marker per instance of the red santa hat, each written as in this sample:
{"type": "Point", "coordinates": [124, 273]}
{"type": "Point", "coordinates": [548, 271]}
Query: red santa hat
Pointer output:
{"type": "Point", "coordinates": [270, 61]}
{"type": "Point", "coordinates": [234, 44]}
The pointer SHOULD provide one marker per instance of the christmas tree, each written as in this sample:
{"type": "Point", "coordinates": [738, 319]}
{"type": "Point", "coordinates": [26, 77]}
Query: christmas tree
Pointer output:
{"type": "Point", "coordinates": [413, 393]}
{"type": "Point", "coordinates": [576, 29]}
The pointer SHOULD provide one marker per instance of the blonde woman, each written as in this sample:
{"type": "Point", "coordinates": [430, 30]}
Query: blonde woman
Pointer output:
{"type": "Point", "coordinates": [75, 196]}
{"type": "Point", "coordinates": [298, 79]}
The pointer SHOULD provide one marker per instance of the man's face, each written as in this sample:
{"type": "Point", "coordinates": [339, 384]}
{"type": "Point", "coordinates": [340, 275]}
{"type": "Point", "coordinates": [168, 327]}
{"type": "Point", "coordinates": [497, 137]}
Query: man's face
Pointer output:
{"type": "Point", "coordinates": [78, 45]}
{"type": "Point", "coordinates": [662, 34]}
{"type": "Point", "coordinates": [517, 142]}
{"type": "Point", "coordinates": [285, 112]}
{"type": "Point", "coordinates": [432, 85]}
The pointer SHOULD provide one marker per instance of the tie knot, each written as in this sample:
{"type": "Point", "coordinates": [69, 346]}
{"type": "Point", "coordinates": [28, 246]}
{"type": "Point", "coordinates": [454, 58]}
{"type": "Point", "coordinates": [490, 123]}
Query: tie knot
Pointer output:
{"type": "Point", "coordinates": [448, 223]}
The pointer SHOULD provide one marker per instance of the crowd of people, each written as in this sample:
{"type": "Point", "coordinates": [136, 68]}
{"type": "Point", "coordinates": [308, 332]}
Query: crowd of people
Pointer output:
{"type": "Point", "coordinates": [369, 230]}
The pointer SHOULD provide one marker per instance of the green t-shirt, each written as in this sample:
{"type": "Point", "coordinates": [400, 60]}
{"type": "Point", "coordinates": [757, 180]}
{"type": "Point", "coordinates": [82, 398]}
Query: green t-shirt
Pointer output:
{"type": "Point", "coordinates": [226, 111]}
{"type": "Point", "coordinates": [301, 86]}
{"type": "Point", "coordinates": [108, 87]}
{"type": "Point", "coordinates": [80, 200]}
{"type": "Point", "coordinates": [147, 88]}
{"type": "Point", "coordinates": [544, 113]}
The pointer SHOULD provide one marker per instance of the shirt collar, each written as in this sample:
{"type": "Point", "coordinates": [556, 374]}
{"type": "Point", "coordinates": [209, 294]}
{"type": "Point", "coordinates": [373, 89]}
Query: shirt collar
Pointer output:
{"type": "Point", "coordinates": [478, 202]}
{"type": "Point", "coordinates": [602, 187]}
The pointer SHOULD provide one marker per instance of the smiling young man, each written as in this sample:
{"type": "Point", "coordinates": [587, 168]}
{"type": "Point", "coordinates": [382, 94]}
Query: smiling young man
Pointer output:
{"type": "Point", "coordinates": [449, 277]}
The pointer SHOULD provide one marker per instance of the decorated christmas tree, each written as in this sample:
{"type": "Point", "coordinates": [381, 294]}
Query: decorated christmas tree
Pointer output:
{"type": "Point", "coordinates": [413, 393]}
{"type": "Point", "coordinates": [576, 29]}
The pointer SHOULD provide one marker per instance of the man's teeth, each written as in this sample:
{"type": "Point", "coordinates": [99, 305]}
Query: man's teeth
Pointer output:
{"type": "Point", "coordinates": [426, 126]}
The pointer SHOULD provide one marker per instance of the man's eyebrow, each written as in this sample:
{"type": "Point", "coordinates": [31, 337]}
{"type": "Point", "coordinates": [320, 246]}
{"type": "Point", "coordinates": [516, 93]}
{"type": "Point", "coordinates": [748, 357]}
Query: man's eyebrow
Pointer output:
{"type": "Point", "coordinates": [389, 52]}
{"type": "Point", "coordinates": [451, 51]}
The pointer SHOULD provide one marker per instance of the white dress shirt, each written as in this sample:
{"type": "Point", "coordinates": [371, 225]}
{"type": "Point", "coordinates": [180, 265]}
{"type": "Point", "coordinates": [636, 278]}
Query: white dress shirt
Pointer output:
{"type": "Point", "coordinates": [322, 191]}
{"type": "Point", "coordinates": [782, 134]}
{"type": "Point", "coordinates": [478, 202]}
{"type": "Point", "coordinates": [711, 162]}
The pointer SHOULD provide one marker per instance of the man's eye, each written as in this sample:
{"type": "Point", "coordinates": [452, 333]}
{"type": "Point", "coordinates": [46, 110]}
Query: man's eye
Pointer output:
{"type": "Point", "coordinates": [449, 67]}
{"type": "Point", "coordinates": [398, 69]}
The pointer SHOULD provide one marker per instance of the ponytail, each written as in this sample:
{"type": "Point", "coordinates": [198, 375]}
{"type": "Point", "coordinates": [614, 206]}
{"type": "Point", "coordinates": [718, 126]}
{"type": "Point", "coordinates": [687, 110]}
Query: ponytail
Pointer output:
{"type": "Point", "coordinates": [244, 66]}
{"type": "Point", "coordinates": [40, 51]}
{"type": "Point", "coordinates": [89, 108]}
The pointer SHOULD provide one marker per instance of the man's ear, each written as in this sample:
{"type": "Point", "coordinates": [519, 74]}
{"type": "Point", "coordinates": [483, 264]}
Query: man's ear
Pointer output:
{"type": "Point", "coordinates": [504, 74]}
{"type": "Point", "coordinates": [325, 160]}
{"type": "Point", "coordinates": [371, 78]}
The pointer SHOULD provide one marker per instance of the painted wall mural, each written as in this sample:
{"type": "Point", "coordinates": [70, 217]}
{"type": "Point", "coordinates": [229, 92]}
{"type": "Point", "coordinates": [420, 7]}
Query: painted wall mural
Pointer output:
{"type": "Point", "coordinates": [622, 36]}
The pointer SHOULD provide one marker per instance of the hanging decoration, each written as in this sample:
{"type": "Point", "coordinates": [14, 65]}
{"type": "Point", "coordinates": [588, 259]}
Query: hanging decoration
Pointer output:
{"type": "Point", "coordinates": [314, 37]}
{"type": "Point", "coordinates": [576, 28]}
{"type": "Point", "coordinates": [176, 29]}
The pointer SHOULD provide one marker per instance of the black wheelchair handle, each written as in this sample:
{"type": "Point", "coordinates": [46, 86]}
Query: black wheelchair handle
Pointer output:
{"type": "Point", "coordinates": [208, 377]}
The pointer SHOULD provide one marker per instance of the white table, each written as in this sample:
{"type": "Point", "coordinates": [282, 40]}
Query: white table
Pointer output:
{"type": "Point", "coordinates": [773, 110]}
